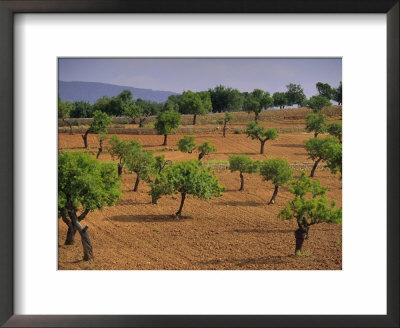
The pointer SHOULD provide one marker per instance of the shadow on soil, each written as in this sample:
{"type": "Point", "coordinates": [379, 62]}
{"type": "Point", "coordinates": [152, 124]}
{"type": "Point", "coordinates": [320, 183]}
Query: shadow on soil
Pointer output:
{"type": "Point", "coordinates": [148, 218]}
{"type": "Point", "coordinates": [288, 145]}
{"type": "Point", "coordinates": [261, 231]}
{"type": "Point", "coordinates": [245, 262]}
{"type": "Point", "coordinates": [249, 203]}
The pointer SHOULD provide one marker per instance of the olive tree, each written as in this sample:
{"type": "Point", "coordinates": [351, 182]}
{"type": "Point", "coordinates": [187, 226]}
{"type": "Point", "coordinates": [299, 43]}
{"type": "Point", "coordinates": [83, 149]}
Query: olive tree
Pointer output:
{"type": "Point", "coordinates": [321, 150]}
{"type": "Point", "coordinates": [279, 99]}
{"type": "Point", "coordinates": [242, 164]}
{"type": "Point", "coordinates": [101, 138]}
{"type": "Point", "coordinates": [308, 207]}
{"type": "Point", "coordinates": [278, 171]}
{"type": "Point", "coordinates": [294, 94]}
{"type": "Point", "coordinates": [227, 118]}
{"type": "Point", "coordinates": [64, 112]}
{"type": "Point", "coordinates": [335, 130]}
{"type": "Point", "coordinates": [142, 163]}
{"type": "Point", "coordinates": [316, 103]}
{"type": "Point", "coordinates": [156, 187]}
{"type": "Point", "coordinates": [100, 123]}
{"type": "Point", "coordinates": [316, 123]}
{"type": "Point", "coordinates": [337, 94]}
{"type": "Point", "coordinates": [167, 121]}
{"type": "Point", "coordinates": [84, 185]}
{"type": "Point", "coordinates": [120, 149]}
{"type": "Point", "coordinates": [196, 103]}
{"type": "Point", "coordinates": [205, 149]}
{"type": "Point", "coordinates": [324, 89]}
{"type": "Point", "coordinates": [256, 131]}
{"type": "Point", "coordinates": [187, 144]}
{"type": "Point", "coordinates": [188, 178]}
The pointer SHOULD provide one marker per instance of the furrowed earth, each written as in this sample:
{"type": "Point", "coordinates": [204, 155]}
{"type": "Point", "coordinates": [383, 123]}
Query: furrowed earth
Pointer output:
{"type": "Point", "coordinates": [237, 231]}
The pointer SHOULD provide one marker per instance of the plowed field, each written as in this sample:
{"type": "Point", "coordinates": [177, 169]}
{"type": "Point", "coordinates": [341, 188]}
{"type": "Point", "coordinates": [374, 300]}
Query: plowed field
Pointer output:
{"type": "Point", "coordinates": [236, 231]}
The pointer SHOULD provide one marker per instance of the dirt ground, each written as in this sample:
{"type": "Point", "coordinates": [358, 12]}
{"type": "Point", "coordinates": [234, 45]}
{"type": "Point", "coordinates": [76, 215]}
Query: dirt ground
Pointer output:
{"type": "Point", "coordinates": [236, 231]}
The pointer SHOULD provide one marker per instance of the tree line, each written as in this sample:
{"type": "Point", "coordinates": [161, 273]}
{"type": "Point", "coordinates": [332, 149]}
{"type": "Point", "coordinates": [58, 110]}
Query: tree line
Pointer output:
{"type": "Point", "coordinates": [216, 100]}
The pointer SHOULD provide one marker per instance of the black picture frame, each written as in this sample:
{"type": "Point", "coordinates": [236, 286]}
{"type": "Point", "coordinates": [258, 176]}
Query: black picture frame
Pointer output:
{"type": "Point", "coordinates": [7, 10]}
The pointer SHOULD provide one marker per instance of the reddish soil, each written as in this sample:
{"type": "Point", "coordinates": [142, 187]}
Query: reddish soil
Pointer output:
{"type": "Point", "coordinates": [236, 231]}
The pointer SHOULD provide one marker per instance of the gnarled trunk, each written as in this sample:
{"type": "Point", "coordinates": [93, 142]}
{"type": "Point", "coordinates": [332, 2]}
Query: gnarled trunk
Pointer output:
{"type": "Point", "coordinates": [262, 146]}
{"type": "Point", "coordinates": [137, 183]}
{"type": "Point", "coordinates": [141, 121]}
{"type": "Point", "coordinates": [183, 196]}
{"type": "Point", "coordinates": [201, 155]}
{"type": "Point", "coordinates": [241, 181]}
{"type": "Point", "coordinates": [165, 140]}
{"type": "Point", "coordinates": [84, 137]}
{"type": "Point", "coordinates": [100, 149]}
{"type": "Point", "coordinates": [194, 119]}
{"type": "Point", "coordinates": [70, 239]}
{"type": "Point", "coordinates": [315, 134]}
{"type": "Point", "coordinates": [301, 234]}
{"type": "Point", "coordinates": [224, 130]}
{"type": "Point", "coordinates": [256, 116]}
{"type": "Point", "coordinates": [120, 166]}
{"type": "Point", "coordinates": [314, 167]}
{"type": "Point", "coordinates": [272, 201]}
{"type": "Point", "coordinates": [86, 242]}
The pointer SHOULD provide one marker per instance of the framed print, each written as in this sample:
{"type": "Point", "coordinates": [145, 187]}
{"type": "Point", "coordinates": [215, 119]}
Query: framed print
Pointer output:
{"type": "Point", "coordinates": [44, 42]}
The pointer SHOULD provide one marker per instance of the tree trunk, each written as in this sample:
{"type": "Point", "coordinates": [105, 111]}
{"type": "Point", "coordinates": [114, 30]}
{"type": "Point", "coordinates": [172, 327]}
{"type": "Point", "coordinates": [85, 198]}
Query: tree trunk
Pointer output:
{"type": "Point", "coordinates": [241, 181]}
{"type": "Point", "coordinates": [224, 130]}
{"type": "Point", "coordinates": [315, 134]}
{"type": "Point", "coordinates": [100, 149]}
{"type": "Point", "coordinates": [141, 121]}
{"type": "Point", "coordinates": [194, 119]}
{"type": "Point", "coordinates": [86, 242]}
{"type": "Point", "coordinates": [201, 155]}
{"type": "Point", "coordinates": [181, 206]}
{"type": "Point", "coordinates": [154, 200]}
{"type": "Point", "coordinates": [120, 166]}
{"type": "Point", "coordinates": [165, 140]}
{"type": "Point", "coordinates": [137, 182]}
{"type": "Point", "coordinates": [272, 201]}
{"type": "Point", "coordinates": [70, 239]}
{"type": "Point", "coordinates": [255, 116]}
{"type": "Point", "coordinates": [84, 137]}
{"type": "Point", "coordinates": [262, 146]}
{"type": "Point", "coordinates": [314, 167]}
{"type": "Point", "coordinates": [300, 234]}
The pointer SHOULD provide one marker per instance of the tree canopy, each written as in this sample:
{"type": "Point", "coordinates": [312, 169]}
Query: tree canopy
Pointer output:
{"type": "Point", "coordinates": [196, 103]}
{"type": "Point", "coordinates": [309, 206]}
{"type": "Point", "coordinates": [187, 144]}
{"type": "Point", "coordinates": [316, 123]}
{"type": "Point", "coordinates": [279, 99]}
{"type": "Point", "coordinates": [335, 129]}
{"type": "Point", "coordinates": [316, 103]}
{"type": "Point", "coordinates": [167, 121]}
{"type": "Point", "coordinates": [322, 150]}
{"type": "Point", "coordinates": [225, 99]}
{"type": "Point", "coordinates": [189, 178]}
{"type": "Point", "coordinates": [256, 131]}
{"type": "Point", "coordinates": [278, 171]}
{"type": "Point", "coordinates": [84, 185]}
{"type": "Point", "coordinates": [242, 164]}
{"type": "Point", "coordinates": [295, 94]}
{"type": "Point", "coordinates": [324, 89]}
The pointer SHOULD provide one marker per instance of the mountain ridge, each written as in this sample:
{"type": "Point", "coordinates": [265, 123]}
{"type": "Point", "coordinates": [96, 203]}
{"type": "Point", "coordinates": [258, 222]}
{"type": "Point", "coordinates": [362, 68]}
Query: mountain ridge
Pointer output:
{"type": "Point", "coordinates": [92, 91]}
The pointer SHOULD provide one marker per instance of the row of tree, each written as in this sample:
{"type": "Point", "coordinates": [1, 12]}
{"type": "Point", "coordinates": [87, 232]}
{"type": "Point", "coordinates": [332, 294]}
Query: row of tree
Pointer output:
{"type": "Point", "coordinates": [218, 99]}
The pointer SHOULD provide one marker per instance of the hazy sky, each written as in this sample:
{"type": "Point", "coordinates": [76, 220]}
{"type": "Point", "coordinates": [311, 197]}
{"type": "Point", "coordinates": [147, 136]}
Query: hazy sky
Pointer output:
{"type": "Point", "coordinates": [181, 74]}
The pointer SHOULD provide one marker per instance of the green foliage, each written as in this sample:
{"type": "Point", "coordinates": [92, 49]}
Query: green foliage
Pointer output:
{"type": "Point", "coordinates": [173, 103]}
{"type": "Point", "coordinates": [64, 109]}
{"type": "Point", "coordinates": [321, 148]}
{"type": "Point", "coordinates": [294, 94]}
{"type": "Point", "coordinates": [337, 94]}
{"type": "Point", "coordinates": [316, 103]}
{"type": "Point", "coordinates": [191, 177]}
{"type": "Point", "coordinates": [324, 89]}
{"type": "Point", "coordinates": [334, 158]}
{"type": "Point", "coordinates": [256, 131]}
{"type": "Point", "coordinates": [101, 121]}
{"type": "Point", "coordinates": [132, 110]}
{"type": "Point", "coordinates": [316, 123]}
{"type": "Point", "coordinates": [225, 99]}
{"type": "Point", "coordinates": [167, 121]}
{"type": "Point", "coordinates": [279, 99]}
{"type": "Point", "coordinates": [276, 170]}
{"type": "Point", "coordinates": [242, 164]}
{"type": "Point", "coordinates": [187, 144]}
{"type": "Point", "coordinates": [251, 104]}
{"type": "Point", "coordinates": [119, 149]}
{"type": "Point", "coordinates": [315, 208]}
{"type": "Point", "coordinates": [141, 162]}
{"type": "Point", "coordinates": [85, 183]}
{"type": "Point", "coordinates": [81, 109]}
{"type": "Point", "coordinates": [195, 103]}
{"type": "Point", "coordinates": [206, 148]}
{"type": "Point", "coordinates": [335, 130]}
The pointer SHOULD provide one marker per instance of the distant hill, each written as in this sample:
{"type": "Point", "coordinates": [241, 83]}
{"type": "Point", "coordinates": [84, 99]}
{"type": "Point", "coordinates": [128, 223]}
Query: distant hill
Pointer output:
{"type": "Point", "coordinates": [91, 91]}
